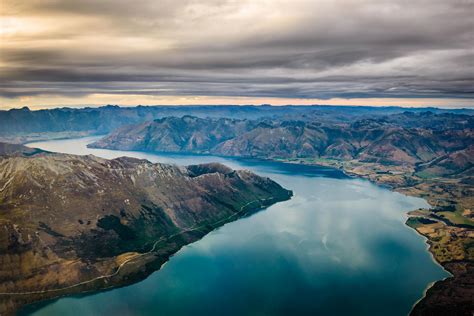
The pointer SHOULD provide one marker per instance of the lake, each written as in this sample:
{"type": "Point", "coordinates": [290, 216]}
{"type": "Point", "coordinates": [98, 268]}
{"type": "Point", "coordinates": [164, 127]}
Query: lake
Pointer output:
{"type": "Point", "coordinates": [338, 247]}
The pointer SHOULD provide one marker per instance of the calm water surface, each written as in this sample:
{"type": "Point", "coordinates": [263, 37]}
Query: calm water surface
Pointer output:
{"type": "Point", "coordinates": [338, 247]}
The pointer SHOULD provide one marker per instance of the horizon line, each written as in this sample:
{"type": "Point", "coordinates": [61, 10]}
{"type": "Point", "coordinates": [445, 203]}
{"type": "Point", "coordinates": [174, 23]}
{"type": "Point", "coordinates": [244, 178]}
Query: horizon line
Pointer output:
{"type": "Point", "coordinates": [87, 106]}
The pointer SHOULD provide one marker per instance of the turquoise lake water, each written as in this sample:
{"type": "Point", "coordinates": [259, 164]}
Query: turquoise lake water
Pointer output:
{"type": "Point", "coordinates": [338, 247]}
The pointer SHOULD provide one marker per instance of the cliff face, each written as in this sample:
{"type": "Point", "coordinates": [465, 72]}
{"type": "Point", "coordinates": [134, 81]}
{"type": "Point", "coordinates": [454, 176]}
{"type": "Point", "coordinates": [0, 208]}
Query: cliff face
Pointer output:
{"type": "Point", "coordinates": [78, 223]}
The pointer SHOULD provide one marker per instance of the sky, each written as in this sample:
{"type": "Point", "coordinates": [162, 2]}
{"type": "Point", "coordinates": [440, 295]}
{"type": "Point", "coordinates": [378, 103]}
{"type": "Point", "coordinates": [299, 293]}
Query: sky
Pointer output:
{"type": "Point", "coordinates": [339, 52]}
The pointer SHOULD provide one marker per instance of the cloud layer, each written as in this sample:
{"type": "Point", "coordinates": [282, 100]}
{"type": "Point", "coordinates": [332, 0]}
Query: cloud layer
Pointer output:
{"type": "Point", "coordinates": [299, 49]}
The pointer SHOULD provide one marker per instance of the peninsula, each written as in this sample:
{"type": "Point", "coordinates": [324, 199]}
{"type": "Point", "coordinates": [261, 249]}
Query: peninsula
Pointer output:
{"type": "Point", "coordinates": [74, 224]}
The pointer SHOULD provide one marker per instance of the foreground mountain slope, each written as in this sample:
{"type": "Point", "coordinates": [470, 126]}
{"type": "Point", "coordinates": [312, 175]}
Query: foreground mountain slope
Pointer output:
{"type": "Point", "coordinates": [17, 150]}
{"type": "Point", "coordinates": [79, 223]}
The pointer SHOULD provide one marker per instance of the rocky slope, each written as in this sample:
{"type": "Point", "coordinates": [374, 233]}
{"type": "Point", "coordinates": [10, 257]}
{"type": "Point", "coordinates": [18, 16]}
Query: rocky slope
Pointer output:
{"type": "Point", "coordinates": [420, 154]}
{"type": "Point", "coordinates": [80, 223]}
{"type": "Point", "coordinates": [7, 149]}
{"type": "Point", "coordinates": [171, 134]}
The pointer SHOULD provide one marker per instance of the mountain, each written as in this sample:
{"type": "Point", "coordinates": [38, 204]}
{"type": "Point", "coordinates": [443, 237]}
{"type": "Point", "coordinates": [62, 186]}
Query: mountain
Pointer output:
{"type": "Point", "coordinates": [80, 223]}
{"type": "Point", "coordinates": [459, 163]}
{"type": "Point", "coordinates": [15, 149]}
{"type": "Point", "coordinates": [385, 140]}
{"type": "Point", "coordinates": [172, 134]}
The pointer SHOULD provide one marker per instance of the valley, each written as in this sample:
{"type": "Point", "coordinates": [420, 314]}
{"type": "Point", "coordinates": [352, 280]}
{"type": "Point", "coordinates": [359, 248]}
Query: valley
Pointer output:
{"type": "Point", "coordinates": [236, 158]}
{"type": "Point", "coordinates": [421, 154]}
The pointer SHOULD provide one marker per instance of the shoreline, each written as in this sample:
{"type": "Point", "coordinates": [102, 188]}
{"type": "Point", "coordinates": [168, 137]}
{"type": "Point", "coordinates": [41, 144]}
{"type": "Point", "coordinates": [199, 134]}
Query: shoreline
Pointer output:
{"type": "Point", "coordinates": [406, 216]}
{"type": "Point", "coordinates": [431, 284]}
{"type": "Point", "coordinates": [144, 259]}
{"type": "Point", "coordinates": [429, 244]}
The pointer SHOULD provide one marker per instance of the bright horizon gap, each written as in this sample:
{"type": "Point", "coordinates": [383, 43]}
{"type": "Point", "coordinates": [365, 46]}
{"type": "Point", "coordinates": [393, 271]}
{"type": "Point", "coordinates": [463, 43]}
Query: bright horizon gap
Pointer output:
{"type": "Point", "coordinates": [97, 100]}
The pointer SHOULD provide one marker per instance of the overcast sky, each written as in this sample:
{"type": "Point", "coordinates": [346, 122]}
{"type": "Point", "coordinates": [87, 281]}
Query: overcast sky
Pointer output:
{"type": "Point", "coordinates": [73, 52]}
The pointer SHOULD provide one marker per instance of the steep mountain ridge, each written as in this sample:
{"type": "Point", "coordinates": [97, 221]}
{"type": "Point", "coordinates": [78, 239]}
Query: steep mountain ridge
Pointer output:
{"type": "Point", "coordinates": [368, 140]}
{"type": "Point", "coordinates": [179, 134]}
{"type": "Point", "coordinates": [67, 221]}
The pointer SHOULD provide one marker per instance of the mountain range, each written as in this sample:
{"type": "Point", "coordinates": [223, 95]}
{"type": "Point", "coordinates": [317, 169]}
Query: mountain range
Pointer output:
{"type": "Point", "coordinates": [22, 125]}
{"type": "Point", "coordinates": [406, 138]}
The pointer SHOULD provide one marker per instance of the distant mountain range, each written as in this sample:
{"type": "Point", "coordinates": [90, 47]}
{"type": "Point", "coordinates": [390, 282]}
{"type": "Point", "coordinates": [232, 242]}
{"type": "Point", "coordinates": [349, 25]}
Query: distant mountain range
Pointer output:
{"type": "Point", "coordinates": [439, 142]}
{"type": "Point", "coordinates": [107, 118]}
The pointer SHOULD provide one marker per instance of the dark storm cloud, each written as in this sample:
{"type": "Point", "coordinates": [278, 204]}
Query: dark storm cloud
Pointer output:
{"type": "Point", "coordinates": [285, 49]}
